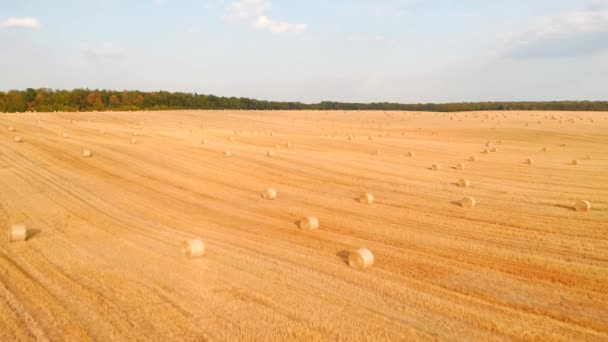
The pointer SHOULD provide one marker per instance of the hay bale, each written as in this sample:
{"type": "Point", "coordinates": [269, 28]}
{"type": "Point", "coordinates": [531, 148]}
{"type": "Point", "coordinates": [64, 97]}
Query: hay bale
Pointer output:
{"type": "Point", "coordinates": [583, 206]}
{"type": "Point", "coordinates": [545, 149]}
{"type": "Point", "coordinates": [228, 154]}
{"type": "Point", "coordinates": [102, 132]}
{"type": "Point", "coordinates": [277, 147]}
{"type": "Point", "coordinates": [204, 142]}
{"type": "Point", "coordinates": [488, 144]}
{"type": "Point", "coordinates": [269, 194]}
{"type": "Point", "coordinates": [231, 139]}
{"type": "Point", "coordinates": [269, 153]}
{"type": "Point", "coordinates": [575, 162]}
{"type": "Point", "coordinates": [529, 161]}
{"type": "Point", "coordinates": [309, 223]}
{"type": "Point", "coordinates": [494, 149]}
{"type": "Point", "coordinates": [436, 167]}
{"type": "Point", "coordinates": [366, 198]}
{"type": "Point", "coordinates": [486, 151]}
{"type": "Point", "coordinates": [17, 232]}
{"type": "Point", "coordinates": [468, 202]}
{"type": "Point", "coordinates": [135, 133]}
{"type": "Point", "coordinates": [370, 138]}
{"type": "Point", "coordinates": [65, 135]}
{"type": "Point", "coordinates": [87, 153]}
{"type": "Point", "coordinates": [473, 158]}
{"type": "Point", "coordinates": [361, 258]}
{"type": "Point", "coordinates": [376, 152]}
{"type": "Point", "coordinates": [17, 139]}
{"type": "Point", "coordinates": [133, 141]}
{"type": "Point", "coordinates": [564, 145]}
{"type": "Point", "coordinates": [194, 248]}
{"type": "Point", "coordinates": [288, 145]}
{"type": "Point", "coordinates": [11, 129]}
{"type": "Point", "coordinates": [464, 183]}
{"type": "Point", "coordinates": [460, 166]}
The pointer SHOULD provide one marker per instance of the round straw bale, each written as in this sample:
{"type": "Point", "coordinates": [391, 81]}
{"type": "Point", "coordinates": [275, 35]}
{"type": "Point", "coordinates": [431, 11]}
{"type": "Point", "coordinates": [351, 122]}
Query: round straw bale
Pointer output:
{"type": "Point", "coordinates": [361, 258]}
{"type": "Point", "coordinates": [65, 135]}
{"type": "Point", "coordinates": [529, 161]}
{"type": "Point", "coordinates": [204, 142]}
{"type": "Point", "coordinates": [227, 154]}
{"type": "Point", "coordinates": [488, 144]}
{"type": "Point", "coordinates": [133, 141]}
{"type": "Point", "coordinates": [366, 198]}
{"type": "Point", "coordinates": [582, 206]}
{"type": "Point", "coordinates": [486, 151]}
{"type": "Point", "coordinates": [309, 223]}
{"type": "Point", "coordinates": [288, 145]}
{"type": "Point", "coordinates": [436, 167]}
{"type": "Point", "coordinates": [135, 133]}
{"type": "Point", "coordinates": [376, 152]}
{"type": "Point", "coordinates": [545, 149]}
{"type": "Point", "coordinates": [102, 132]}
{"type": "Point", "coordinates": [11, 129]}
{"type": "Point", "coordinates": [464, 183]}
{"type": "Point", "coordinates": [87, 153]}
{"type": "Point", "coordinates": [269, 194]}
{"type": "Point", "coordinates": [575, 162]}
{"type": "Point", "coordinates": [460, 166]}
{"type": "Point", "coordinates": [277, 147]}
{"type": "Point", "coordinates": [473, 158]}
{"type": "Point", "coordinates": [231, 139]}
{"type": "Point", "coordinates": [17, 139]}
{"type": "Point", "coordinates": [193, 248]}
{"type": "Point", "coordinates": [370, 138]}
{"type": "Point", "coordinates": [411, 154]}
{"type": "Point", "coordinates": [269, 153]}
{"type": "Point", "coordinates": [564, 145]}
{"type": "Point", "coordinates": [17, 232]}
{"type": "Point", "coordinates": [468, 202]}
{"type": "Point", "coordinates": [494, 149]}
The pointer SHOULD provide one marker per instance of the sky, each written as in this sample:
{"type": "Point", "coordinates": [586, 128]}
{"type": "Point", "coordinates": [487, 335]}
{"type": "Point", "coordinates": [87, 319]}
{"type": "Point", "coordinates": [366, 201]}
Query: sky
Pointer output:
{"type": "Point", "coordinates": [408, 51]}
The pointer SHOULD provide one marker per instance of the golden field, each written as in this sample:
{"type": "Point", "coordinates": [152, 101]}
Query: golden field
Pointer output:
{"type": "Point", "coordinates": [103, 256]}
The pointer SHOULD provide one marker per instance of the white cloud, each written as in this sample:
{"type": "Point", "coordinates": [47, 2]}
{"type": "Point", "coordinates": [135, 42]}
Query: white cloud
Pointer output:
{"type": "Point", "coordinates": [20, 23]}
{"type": "Point", "coordinates": [254, 12]}
{"type": "Point", "coordinates": [264, 23]}
{"type": "Point", "coordinates": [105, 51]}
{"type": "Point", "coordinates": [571, 33]}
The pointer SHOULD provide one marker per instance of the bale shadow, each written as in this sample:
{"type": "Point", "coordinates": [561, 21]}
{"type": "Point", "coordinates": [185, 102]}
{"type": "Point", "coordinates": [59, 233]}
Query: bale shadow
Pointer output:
{"type": "Point", "coordinates": [456, 203]}
{"type": "Point", "coordinates": [565, 207]}
{"type": "Point", "coordinates": [343, 254]}
{"type": "Point", "coordinates": [31, 233]}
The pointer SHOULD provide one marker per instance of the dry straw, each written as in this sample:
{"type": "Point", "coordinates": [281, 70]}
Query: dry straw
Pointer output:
{"type": "Point", "coordinates": [17, 139]}
{"type": "Point", "coordinates": [135, 133]}
{"type": "Point", "coordinates": [583, 206]}
{"type": "Point", "coordinates": [87, 153]}
{"type": "Point", "coordinates": [468, 202]}
{"type": "Point", "coordinates": [361, 258]}
{"type": "Point", "coordinates": [472, 158]}
{"type": "Point", "coordinates": [269, 153]}
{"type": "Point", "coordinates": [376, 152]}
{"type": "Point", "coordinates": [269, 194]}
{"type": "Point", "coordinates": [204, 142]}
{"type": "Point", "coordinates": [11, 129]}
{"type": "Point", "coordinates": [411, 154]}
{"type": "Point", "coordinates": [464, 183]}
{"type": "Point", "coordinates": [494, 149]}
{"type": "Point", "coordinates": [309, 223]}
{"type": "Point", "coordinates": [133, 141]}
{"type": "Point", "coordinates": [545, 149]}
{"type": "Point", "coordinates": [231, 139]}
{"type": "Point", "coordinates": [65, 135]}
{"type": "Point", "coordinates": [366, 198]}
{"type": "Point", "coordinates": [529, 161]}
{"type": "Point", "coordinates": [575, 162]}
{"type": "Point", "coordinates": [17, 232]}
{"type": "Point", "coordinates": [227, 154]}
{"type": "Point", "coordinates": [436, 167]}
{"type": "Point", "coordinates": [194, 248]}
{"type": "Point", "coordinates": [460, 166]}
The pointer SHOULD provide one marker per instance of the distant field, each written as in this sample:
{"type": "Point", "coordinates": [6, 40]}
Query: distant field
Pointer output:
{"type": "Point", "coordinates": [104, 259]}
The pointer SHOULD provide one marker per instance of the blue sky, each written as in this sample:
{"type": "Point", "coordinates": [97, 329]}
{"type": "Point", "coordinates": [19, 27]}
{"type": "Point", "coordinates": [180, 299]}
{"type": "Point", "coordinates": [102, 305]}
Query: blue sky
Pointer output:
{"type": "Point", "coordinates": [356, 51]}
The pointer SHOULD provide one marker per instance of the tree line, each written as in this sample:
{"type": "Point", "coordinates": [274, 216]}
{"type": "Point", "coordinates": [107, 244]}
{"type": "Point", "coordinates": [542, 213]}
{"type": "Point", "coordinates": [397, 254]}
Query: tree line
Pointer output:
{"type": "Point", "coordinates": [49, 100]}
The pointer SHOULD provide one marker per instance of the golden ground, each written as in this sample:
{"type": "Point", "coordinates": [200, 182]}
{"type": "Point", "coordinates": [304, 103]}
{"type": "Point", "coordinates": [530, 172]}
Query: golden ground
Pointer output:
{"type": "Point", "coordinates": [103, 257]}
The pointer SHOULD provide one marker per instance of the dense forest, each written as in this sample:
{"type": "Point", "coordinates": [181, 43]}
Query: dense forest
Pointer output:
{"type": "Point", "coordinates": [48, 100]}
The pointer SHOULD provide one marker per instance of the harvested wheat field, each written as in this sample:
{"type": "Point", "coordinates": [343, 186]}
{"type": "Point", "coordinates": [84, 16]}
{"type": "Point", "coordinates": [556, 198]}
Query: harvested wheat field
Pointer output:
{"type": "Point", "coordinates": [104, 254]}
